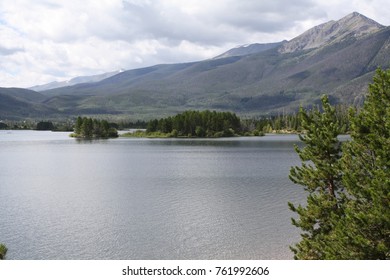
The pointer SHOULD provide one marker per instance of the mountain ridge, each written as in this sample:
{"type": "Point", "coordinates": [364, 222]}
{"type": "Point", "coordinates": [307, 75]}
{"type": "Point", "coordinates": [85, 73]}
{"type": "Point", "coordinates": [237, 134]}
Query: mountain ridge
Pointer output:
{"type": "Point", "coordinates": [354, 24]}
{"type": "Point", "coordinates": [249, 49]}
{"type": "Point", "coordinates": [75, 81]}
{"type": "Point", "coordinates": [338, 58]}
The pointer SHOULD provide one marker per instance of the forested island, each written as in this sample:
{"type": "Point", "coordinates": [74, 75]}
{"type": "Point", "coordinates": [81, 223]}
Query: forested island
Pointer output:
{"type": "Point", "coordinates": [89, 128]}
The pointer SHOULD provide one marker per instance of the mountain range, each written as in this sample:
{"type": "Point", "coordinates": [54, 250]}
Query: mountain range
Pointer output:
{"type": "Point", "coordinates": [75, 81]}
{"type": "Point", "coordinates": [338, 58]}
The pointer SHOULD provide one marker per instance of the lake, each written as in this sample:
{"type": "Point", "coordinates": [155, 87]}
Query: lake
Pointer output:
{"type": "Point", "coordinates": [62, 198]}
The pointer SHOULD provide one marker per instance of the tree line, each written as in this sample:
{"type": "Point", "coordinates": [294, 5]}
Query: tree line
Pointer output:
{"type": "Point", "coordinates": [224, 124]}
{"type": "Point", "coordinates": [293, 122]}
{"type": "Point", "coordinates": [347, 213]}
{"type": "Point", "coordinates": [248, 126]}
{"type": "Point", "coordinates": [64, 125]}
{"type": "Point", "coordinates": [92, 128]}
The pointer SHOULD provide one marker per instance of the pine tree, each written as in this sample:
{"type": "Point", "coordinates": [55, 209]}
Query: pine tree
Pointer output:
{"type": "Point", "coordinates": [364, 231]}
{"type": "Point", "coordinates": [79, 123]}
{"type": "Point", "coordinates": [320, 175]}
{"type": "Point", "coordinates": [353, 220]}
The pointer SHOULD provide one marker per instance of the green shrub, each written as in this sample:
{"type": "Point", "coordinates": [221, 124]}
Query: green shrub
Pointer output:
{"type": "Point", "coordinates": [3, 251]}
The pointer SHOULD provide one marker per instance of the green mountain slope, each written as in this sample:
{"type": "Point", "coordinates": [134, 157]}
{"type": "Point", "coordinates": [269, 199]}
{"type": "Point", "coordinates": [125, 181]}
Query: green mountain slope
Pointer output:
{"type": "Point", "coordinates": [18, 103]}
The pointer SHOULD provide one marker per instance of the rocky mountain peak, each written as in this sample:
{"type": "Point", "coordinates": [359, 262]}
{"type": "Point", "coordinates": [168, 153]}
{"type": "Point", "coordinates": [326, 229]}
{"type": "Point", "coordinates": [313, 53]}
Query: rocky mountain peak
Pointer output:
{"type": "Point", "coordinates": [354, 24]}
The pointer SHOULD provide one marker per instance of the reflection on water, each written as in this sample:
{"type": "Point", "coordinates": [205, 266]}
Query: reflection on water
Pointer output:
{"type": "Point", "coordinates": [146, 198]}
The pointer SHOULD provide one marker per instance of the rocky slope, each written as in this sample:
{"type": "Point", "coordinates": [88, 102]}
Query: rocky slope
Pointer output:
{"type": "Point", "coordinates": [353, 25]}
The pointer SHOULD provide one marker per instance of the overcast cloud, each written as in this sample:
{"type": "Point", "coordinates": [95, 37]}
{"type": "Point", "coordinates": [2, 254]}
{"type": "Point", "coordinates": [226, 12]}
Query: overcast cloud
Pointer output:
{"type": "Point", "coordinates": [47, 40]}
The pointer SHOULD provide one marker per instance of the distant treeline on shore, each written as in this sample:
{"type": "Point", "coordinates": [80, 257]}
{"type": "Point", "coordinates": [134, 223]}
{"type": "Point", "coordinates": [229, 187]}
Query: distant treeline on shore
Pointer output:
{"type": "Point", "coordinates": [189, 124]}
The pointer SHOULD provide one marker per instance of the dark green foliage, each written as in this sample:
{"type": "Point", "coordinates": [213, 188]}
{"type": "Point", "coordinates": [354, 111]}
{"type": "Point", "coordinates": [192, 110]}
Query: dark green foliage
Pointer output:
{"type": "Point", "coordinates": [3, 251]}
{"type": "Point", "coordinates": [3, 125]}
{"type": "Point", "coordinates": [138, 124]}
{"type": "Point", "coordinates": [320, 175]}
{"type": "Point", "coordinates": [364, 233]}
{"type": "Point", "coordinates": [198, 124]}
{"type": "Point", "coordinates": [347, 215]}
{"type": "Point", "coordinates": [79, 124]}
{"type": "Point", "coordinates": [45, 125]}
{"type": "Point", "coordinates": [342, 115]}
{"type": "Point", "coordinates": [92, 128]}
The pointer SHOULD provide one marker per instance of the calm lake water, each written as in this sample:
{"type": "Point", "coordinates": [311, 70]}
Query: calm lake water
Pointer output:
{"type": "Point", "coordinates": [61, 198]}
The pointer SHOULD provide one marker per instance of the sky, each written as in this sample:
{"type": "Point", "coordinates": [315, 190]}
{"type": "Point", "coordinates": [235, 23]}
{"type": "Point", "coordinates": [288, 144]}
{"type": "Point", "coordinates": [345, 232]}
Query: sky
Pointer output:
{"type": "Point", "coordinates": [54, 40]}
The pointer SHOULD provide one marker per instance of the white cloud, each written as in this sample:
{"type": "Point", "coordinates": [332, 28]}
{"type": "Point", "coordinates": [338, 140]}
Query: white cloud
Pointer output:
{"type": "Point", "coordinates": [46, 40]}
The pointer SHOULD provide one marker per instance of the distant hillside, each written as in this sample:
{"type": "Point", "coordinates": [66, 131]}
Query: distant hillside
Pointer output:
{"type": "Point", "coordinates": [338, 58]}
{"type": "Point", "coordinates": [18, 103]}
{"type": "Point", "coordinates": [75, 81]}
